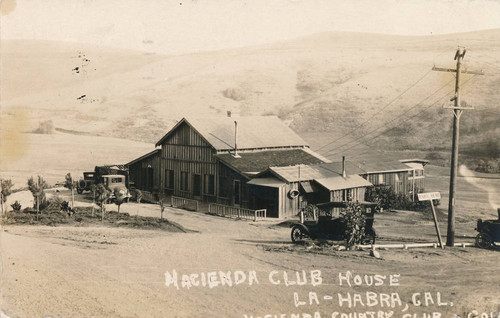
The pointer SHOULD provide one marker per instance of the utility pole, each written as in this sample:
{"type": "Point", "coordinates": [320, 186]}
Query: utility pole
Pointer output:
{"type": "Point", "coordinates": [457, 113]}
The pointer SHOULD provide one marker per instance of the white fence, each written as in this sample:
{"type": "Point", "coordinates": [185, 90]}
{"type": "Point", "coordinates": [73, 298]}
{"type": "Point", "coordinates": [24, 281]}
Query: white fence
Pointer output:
{"type": "Point", "coordinates": [235, 212]}
{"type": "Point", "coordinates": [183, 203]}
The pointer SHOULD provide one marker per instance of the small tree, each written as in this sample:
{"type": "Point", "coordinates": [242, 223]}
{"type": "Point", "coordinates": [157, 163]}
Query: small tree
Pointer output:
{"type": "Point", "coordinates": [37, 189]}
{"type": "Point", "coordinates": [138, 197]}
{"type": "Point", "coordinates": [5, 190]}
{"type": "Point", "coordinates": [102, 195]}
{"type": "Point", "coordinates": [93, 192]}
{"type": "Point", "coordinates": [119, 197]}
{"type": "Point", "coordinates": [68, 183]}
{"type": "Point", "coordinates": [162, 209]}
{"type": "Point", "coordinates": [354, 223]}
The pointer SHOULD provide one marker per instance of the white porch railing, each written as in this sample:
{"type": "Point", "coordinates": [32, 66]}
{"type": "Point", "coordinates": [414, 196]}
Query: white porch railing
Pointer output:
{"type": "Point", "coordinates": [183, 203]}
{"type": "Point", "coordinates": [236, 212]}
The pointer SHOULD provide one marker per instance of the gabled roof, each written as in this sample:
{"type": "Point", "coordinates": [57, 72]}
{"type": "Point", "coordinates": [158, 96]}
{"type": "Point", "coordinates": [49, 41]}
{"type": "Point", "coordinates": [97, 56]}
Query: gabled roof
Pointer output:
{"type": "Point", "coordinates": [350, 167]}
{"type": "Point", "coordinates": [338, 183]}
{"type": "Point", "coordinates": [378, 162]}
{"type": "Point", "coordinates": [260, 160]}
{"type": "Point", "coordinates": [254, 132]}
{"type": "Point", "coordinates": [149, 154]}
{"type": "Point", "coordinates": [415, 160]}
{"type": "Point", "coordinates": [325, 177]}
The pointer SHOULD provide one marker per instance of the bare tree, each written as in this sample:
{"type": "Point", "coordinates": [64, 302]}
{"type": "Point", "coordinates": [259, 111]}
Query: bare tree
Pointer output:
{"type": "Point", "coordinates": [93, 192]}
{"type": "Point", "coordinates": [70, 185]}
{"type": "Point", "coordinates": [37, 189]}
{"type": "Point", "coordinates": [162, 209]}
{"type": "Point", "coordinates": [5, 190]}
{"type": "Point", "coordinates": [103, 195]}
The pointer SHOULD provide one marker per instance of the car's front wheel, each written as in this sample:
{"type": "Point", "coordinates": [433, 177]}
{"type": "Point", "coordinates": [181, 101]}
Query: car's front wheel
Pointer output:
{"type": "Point", "coordinates": [298, 234]}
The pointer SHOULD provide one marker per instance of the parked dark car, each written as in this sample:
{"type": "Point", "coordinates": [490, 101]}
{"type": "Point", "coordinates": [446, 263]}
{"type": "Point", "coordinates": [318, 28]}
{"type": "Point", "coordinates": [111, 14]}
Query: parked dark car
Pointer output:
{"type": "Point", "coordinates": [489, 232]}
{"type": "Point", "coordinates": [329, 227]}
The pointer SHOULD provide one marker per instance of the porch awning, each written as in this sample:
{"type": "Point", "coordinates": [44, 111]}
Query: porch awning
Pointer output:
{"type": "Point", "coordinates": [307, 187]}
{"type": "Point", "coordinates": [340, 183]}
{"type": "Point", "coordinates": [266, 182]}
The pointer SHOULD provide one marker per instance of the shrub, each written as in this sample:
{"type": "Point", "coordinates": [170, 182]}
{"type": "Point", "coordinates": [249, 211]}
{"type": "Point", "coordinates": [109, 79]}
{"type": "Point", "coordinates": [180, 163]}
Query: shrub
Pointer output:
{"type": "Point", "coordinates": [45, 127]}
{"type": "Point", "coordinates": [354, 223]}
{"type": "Point", "coordinates": [384, 196]}
{"type": "Point", "coordinates": [235, 94]}
{"type": "Point", "coordinates": [16, 206]}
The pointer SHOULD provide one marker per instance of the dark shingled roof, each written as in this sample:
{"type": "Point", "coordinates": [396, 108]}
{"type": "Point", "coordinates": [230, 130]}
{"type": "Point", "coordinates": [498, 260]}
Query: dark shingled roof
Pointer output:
{"type": "Point", "coordinates": [261, 160]}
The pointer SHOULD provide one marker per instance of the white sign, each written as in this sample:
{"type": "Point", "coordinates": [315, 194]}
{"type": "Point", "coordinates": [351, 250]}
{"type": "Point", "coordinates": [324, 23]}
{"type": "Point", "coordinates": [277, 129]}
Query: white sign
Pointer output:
{"type": "Point", "coordinates": [429, 196]}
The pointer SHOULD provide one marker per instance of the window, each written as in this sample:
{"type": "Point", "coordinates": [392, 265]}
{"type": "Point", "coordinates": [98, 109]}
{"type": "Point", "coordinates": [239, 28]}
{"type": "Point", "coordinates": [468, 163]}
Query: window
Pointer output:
{"type": "Point", "coordinates": [224, 187]}
{"type": "Point", "coordinates": [184, 181]}
{"type": "Point", "coordinates": [169, 179]}
{"type": "Point", "coordinates": [209, 184]}
{"type": "Point", "coordinates": [347, 195]}
{"type": "Point", "coordinates": [116, 180]}
{"type": "Point", "coordinates": [380, 179]}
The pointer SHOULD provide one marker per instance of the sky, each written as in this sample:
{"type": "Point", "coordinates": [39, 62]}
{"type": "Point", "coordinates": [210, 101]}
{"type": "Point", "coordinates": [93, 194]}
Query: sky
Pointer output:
{"type": "Point", "coordinates": [183, 26]}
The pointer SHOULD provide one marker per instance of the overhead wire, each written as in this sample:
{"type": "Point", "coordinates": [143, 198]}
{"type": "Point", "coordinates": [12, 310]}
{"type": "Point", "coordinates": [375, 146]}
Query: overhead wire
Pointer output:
{"type": "Point", "coordinates": [395, 118]}
{"type": "Point", "coordinates": [379, 111]}
{"type": "Point", "coordinates": [402, 122]}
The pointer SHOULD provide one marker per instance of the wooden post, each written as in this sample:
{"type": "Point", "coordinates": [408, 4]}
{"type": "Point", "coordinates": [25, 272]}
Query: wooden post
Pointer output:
{"type": "Point", "coordinates": [457, 112]}
{"type": "Point", "coordinates": [434, 216]}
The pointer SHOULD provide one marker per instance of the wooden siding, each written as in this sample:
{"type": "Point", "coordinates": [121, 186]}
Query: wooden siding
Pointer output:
{"type": "Point", "coordinates": [140, 173]}
{"type": "Point", "coordinates": [226, 186]}
{"type": "Point", "coordinates": [398, 181]}
{"type": "Point", "coordinates": [186, 151]}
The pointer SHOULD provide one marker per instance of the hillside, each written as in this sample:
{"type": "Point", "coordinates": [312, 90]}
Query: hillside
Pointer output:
{"type": "Point", "coordinates": [329, 83]}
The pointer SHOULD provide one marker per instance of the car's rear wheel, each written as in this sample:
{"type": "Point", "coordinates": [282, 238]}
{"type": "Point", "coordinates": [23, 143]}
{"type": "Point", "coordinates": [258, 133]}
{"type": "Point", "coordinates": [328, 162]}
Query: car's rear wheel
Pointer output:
{"type": "Point", "coordinates": [483, 240]}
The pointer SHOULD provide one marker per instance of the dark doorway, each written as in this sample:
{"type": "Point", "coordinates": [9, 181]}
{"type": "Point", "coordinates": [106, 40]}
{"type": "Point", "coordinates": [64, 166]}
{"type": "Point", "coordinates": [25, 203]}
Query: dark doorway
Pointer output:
{"type": "Point", "coordinates": [197, 185]}
{"type": "Point", "coordinates": [265, 198]}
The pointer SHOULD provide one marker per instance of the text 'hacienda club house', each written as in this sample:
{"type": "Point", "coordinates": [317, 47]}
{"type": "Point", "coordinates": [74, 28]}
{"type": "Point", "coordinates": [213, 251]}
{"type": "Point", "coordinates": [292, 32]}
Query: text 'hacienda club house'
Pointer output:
{"type": "Point", "coordinates": [258, 162]}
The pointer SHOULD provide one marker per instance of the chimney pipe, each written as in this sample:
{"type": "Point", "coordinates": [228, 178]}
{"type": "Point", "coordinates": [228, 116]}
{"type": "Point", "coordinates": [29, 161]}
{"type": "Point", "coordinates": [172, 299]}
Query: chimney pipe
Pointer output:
{"type": "Point", "coordinates": [498, 211]}
{"type": "Point", "coordinates": [343, 167]}
{"type": "Point", "coordinates": [235, 140]}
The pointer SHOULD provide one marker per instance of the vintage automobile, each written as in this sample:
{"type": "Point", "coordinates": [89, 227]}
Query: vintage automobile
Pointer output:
{"type": "Point", "coordinates": [489, 232]}
{"type": "Point", "coordinates": [115, 181]}
{"type": "Point", "coordinates": [330, 227]}
{"type": "Point", "coordinates": [85, 183]}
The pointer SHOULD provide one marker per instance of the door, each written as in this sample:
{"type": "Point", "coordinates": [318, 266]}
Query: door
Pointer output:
{"type": "Point", "coordinates": [237, 192]}
{"type": "Point", "coordinates": [196, 185]}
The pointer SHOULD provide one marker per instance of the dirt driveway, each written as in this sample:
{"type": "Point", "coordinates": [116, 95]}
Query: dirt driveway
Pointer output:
{"type": "Point", "coordinates": [115, 272]}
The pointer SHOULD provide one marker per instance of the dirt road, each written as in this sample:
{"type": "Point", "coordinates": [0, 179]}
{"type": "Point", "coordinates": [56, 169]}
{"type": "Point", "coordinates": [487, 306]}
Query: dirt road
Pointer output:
{"type": "Point", "coordinates": [114, 272]}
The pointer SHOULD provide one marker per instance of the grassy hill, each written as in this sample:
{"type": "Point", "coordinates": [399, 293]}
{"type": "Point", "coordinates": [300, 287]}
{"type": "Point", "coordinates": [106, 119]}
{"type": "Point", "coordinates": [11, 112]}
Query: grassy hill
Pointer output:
{"type": "Point", "coordinates": [348, 88]}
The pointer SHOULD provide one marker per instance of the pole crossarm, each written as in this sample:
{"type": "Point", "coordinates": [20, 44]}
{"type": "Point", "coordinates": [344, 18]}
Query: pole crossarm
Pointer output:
{"type": "Point", "coordinates": [452, 70]}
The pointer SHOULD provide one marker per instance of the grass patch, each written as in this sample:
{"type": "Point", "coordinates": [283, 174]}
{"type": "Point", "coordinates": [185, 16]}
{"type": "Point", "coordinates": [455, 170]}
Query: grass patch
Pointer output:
{"type": "Point", "coordinates": [83, 217]}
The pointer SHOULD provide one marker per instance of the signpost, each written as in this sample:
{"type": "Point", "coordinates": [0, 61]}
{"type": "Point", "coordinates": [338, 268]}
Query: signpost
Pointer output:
{"type": "Point", "coordinates": [430, 196]}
